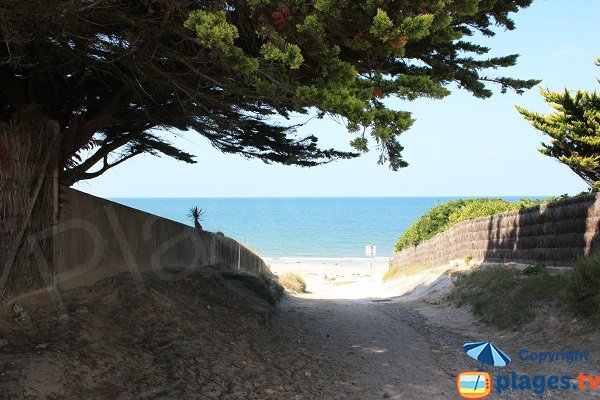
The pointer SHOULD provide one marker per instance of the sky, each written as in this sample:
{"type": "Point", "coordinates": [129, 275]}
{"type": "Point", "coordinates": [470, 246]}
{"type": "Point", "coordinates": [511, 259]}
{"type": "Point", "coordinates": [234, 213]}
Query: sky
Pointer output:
{"type": "Point", "coordinates": [458, 146]}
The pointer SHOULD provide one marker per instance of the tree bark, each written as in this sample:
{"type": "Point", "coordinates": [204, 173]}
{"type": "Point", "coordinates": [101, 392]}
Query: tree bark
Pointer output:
{"type": "Point", "coordinates": [29, 141]}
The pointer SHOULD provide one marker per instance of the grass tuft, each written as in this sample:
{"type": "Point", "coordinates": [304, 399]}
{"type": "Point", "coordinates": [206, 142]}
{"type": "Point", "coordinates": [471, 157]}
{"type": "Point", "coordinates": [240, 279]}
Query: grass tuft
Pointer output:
{"type": "Point", "coordinates": [584, 287]}
{"type": "Point", "coordinates": [508, 298]}
{"type": "Point", "coordinates": [503, 296]}
{"type": "Point", "coordinates": [293, 281]}
{"type": "Point", "coordinates": [393, 272]}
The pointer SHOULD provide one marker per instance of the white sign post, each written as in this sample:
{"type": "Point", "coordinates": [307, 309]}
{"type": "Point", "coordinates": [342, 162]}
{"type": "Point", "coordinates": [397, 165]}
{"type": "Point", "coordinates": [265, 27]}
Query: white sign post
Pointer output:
{"type": "Point", "coordinates": [370, 251]}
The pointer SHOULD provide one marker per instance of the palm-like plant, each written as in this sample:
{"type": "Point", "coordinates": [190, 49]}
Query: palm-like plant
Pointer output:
{"type": "Point", "coordinates": [196, 214]}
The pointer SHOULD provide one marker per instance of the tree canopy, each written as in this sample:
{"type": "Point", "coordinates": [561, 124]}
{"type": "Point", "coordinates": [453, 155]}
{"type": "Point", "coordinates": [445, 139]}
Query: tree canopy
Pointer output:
{"type": "Point", "coordinates": [574, 131]}
{"type": "Point", "coordinates": [118, 74]}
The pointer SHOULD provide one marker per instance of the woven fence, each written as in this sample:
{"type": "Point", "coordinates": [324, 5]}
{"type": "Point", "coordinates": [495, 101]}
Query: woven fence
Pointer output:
{"type": "Point", "coordinates": [26, 200]}
{"type": "Point", "coordinates": [552, 234]}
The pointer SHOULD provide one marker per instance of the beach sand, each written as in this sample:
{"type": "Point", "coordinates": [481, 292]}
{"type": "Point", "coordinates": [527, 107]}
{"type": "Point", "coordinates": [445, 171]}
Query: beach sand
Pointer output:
{"type": "Point", "coordinates": [357, 278]}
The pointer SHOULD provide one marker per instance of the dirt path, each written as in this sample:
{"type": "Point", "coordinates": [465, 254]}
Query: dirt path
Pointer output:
{"type": "Point", "coordinates": [204, 337]}
{"type": "Point", "coordinates": [404, 340]}
{"type": "Point", "coordinates": [387, 356]}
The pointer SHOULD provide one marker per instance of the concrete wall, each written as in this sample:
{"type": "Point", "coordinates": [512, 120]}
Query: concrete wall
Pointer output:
{"type": "Point", "coordinates": [99, 238]}
{"type": "Point", "coordinates": [552, 234]}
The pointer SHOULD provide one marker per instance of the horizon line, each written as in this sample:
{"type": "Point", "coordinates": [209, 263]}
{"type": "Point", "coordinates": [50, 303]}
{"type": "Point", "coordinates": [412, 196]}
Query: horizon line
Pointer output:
{"type": "Point", "coordinates": [331, 197]}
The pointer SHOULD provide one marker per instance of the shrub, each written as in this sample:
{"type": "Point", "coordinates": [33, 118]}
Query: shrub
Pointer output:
{"type": "Point", "coordinates": [293, 281]}
{"type": "Point", "coordinates": [505, 297]}
{"type": "Point", "coordinates": [485, 207]}
{"type": "Point", "coordinates": [440, 218]}
{"type": "Point", "coordinates": [429, 224]}
{"type": "Point", "coordinates": [584, 286]}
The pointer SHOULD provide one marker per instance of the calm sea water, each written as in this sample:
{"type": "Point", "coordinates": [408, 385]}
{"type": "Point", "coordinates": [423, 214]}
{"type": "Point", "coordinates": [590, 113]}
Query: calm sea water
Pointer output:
{"type": "Point", "coordinates": [301, 227]}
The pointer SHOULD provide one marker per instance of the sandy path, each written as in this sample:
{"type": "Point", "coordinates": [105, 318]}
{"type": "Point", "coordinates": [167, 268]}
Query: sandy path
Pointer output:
{"type": "Point", "coordinates": [403, 340]}
{"type": "Point", "coordinates": [382, 352]}
{"type": "Point", "coordinates": [204, 337]}
{"type": "Point", "coordinates": [389, 357]}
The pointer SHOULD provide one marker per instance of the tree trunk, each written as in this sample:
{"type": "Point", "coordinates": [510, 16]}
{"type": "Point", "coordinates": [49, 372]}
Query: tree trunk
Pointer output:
{"type": "Point", "coordinates": [28, 145]}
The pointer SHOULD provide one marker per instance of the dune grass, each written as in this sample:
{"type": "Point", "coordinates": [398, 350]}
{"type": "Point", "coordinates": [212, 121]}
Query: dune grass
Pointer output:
{"type": "Point", "coordinates": [508, 298]}
{"type": "Point", "coordinates": [293, 282]}
{"type": "Point", "coordinates": [394, 272]}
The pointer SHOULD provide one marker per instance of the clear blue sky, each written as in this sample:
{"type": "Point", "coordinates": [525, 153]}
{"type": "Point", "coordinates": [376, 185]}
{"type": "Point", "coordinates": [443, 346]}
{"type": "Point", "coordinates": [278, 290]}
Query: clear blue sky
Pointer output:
{"type": "Point", "coordinates": [459, 146]}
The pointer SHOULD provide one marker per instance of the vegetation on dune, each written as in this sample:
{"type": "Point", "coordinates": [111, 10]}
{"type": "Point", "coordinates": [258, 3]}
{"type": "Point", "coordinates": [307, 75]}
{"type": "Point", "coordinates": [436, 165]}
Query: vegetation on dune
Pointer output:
{"type": "Point", "coordinates": [574, 131]}
{"type": "Point", "coordinates": [293, 281]}
{"type": "Point", "coordinates": [584, 287]}
{"type": "Point", "coordinates": [440, 218]}
{"type": "Point", "coordinates": [508, 298]}
{"type": "Point", "coordinates": [502, 296]}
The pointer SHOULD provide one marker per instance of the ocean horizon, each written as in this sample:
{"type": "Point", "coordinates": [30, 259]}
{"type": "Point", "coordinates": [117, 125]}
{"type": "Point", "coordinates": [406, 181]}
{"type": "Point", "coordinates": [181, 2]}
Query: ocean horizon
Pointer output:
{"type": "Point", "coordinates": [303, 227]}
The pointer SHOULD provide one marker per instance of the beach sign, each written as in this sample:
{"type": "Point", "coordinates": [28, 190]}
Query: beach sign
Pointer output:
{"type": "Point", "coordinates": [370, 250]}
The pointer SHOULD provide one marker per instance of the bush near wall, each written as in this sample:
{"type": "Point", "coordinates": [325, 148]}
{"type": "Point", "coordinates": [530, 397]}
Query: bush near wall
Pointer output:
{"type": "Point", "coordinates": [442, 217]}
{"type": "Point", "coordinates": [555, 233]}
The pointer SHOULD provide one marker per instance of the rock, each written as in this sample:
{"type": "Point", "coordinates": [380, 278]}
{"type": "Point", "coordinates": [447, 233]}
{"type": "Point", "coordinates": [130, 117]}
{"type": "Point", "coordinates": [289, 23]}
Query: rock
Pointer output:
{"type": "Point", "coordinates": [41, 346]}
{"type": "Point", "coordinates": [82, 310]}
{"type": "Point", "coordinates": [386, 395]}
{"type": "Point", "coordinates": [160, 298]}
{"type": "Point", "coordinates": [18, 309]}
{"type": "Point", "coordinates": [307, 374]}
{"type": "Point", "coordinates": [21, 314]}
{"type": "Point", "coordinates": [269, 391]}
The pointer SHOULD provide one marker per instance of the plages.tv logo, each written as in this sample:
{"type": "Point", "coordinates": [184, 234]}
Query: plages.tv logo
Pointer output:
{"type": "Point", "coordinates": [478, 384]}
{"type": "Point", "coordinates": [473, 384]}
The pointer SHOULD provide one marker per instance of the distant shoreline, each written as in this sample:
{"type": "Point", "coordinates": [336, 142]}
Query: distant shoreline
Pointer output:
{"type": "Point", "coordinates": [314, 259]}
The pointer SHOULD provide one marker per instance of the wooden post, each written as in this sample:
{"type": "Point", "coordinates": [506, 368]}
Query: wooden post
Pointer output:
{"type": "Point", "coordinates": [55, 222]}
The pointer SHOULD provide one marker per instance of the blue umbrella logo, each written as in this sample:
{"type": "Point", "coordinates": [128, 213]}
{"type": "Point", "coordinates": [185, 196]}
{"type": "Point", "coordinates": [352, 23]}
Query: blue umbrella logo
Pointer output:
{"type": "Point", "coordinates": [487, 353]}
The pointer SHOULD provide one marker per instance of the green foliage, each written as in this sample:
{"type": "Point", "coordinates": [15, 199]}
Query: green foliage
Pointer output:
{"type": "Point", "coordinates": [443, 217]}
{"type": "Point", "coordinates": [584, 286]}
{"type": "Point", "coordinates": [505, 297]}
{"type": "Point", "coordinates": [534, 269]}
{"type": "Point", "coordinates": [114, 73]}
{"type": "Point", "coordinates": [485, 207]}
{"type": "Point", "coordinates": [212, 29]}
{"type": "Point", "coordinates": [288, 54]}
{"type": "Point", "coordinates": [468, 259]}
{"type": "Point", "coordinates": [196, 214]}
{"type": "Point", "coordinates": [383, 27]}
{"type": "Point", "coordinates": [574, 131]}
{"type": "Point", "coordinates": [429, 224]}
{"type": "Point", "coordinates": [508, 298]}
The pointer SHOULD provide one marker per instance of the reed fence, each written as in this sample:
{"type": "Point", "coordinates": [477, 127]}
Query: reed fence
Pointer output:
{"type": "Point", "coordinates": [553, 234]}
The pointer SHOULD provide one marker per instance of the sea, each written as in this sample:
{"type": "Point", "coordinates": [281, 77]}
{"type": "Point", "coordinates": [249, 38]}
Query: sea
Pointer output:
{"type": "Point", "coordinates": [322, 227]}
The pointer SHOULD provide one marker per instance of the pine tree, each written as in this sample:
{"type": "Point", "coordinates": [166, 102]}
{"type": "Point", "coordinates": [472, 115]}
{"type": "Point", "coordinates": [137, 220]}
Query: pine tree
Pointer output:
{"type": "Point", "coordinates": [574, 131]}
